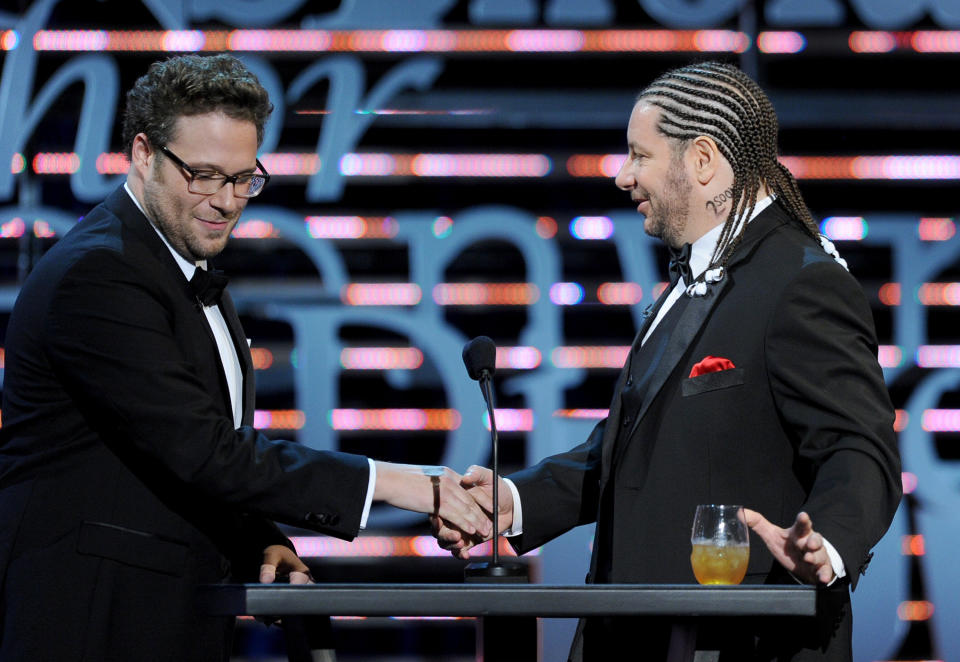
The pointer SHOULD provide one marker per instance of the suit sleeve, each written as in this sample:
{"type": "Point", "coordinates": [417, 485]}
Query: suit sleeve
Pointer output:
{"type": "Point", "coordinates": [559, 493]}
{"type": "Point", "coordinates": [112, 342]}
{"type": "Point", "coordinates": [822, 361]}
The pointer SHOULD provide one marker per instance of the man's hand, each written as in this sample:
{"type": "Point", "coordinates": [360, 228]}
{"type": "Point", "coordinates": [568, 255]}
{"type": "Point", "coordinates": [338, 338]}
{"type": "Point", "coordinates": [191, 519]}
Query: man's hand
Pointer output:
{"type": "Point", "coordinates": [479, 484]}
{"type": "Point", "coordinates": [432, 490]}
{"type": "Point", "coordinates": [799, 549]}
{"type": "Point", "coordinates": [282, 561]}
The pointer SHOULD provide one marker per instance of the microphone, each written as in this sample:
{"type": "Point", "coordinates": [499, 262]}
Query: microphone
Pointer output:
{"type": "Point", "coordinates": [480, 359]}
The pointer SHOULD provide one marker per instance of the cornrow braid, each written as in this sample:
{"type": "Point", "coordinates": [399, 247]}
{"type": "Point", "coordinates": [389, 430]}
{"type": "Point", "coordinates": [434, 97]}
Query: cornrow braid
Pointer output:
{"type": "Point", "coordinates": [720, 101]}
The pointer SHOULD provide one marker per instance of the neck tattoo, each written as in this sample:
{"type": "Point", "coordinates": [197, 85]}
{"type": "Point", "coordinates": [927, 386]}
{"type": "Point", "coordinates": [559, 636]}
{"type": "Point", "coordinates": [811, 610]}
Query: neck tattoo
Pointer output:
{"type": "Point", "coordinates": [718, 204]}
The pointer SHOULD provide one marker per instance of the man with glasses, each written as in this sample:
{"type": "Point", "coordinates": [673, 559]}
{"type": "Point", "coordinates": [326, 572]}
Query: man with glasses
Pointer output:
{"type": "Point", "coordinates": [129, 470]}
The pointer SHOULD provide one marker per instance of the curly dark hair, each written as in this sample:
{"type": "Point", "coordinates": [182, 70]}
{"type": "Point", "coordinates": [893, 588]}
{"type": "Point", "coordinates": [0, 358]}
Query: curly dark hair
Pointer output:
{"type": "Point", "coordinates": [720, 101]}
{"type": "Point", "coordinates": [192, 85]}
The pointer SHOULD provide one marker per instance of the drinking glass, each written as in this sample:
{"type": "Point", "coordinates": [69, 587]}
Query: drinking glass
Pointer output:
{"type": "Point", "coordinates": [721, 545]}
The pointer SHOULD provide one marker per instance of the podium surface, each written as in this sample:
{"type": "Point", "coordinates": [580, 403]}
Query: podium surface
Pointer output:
{"type": "Point", "coordinates": [686, 602]}
{"type": "Point", "coordinates": [542, 600]}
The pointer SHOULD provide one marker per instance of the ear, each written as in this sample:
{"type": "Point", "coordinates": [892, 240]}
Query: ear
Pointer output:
{"type": "Point", "coordinates": [705, 158]}
{"type": "Point", "coordinates": [142, 154]}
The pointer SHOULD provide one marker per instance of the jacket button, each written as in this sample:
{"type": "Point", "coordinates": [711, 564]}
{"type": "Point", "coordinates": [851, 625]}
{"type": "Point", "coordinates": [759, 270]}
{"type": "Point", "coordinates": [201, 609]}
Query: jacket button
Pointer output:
{"type": "Point", "coordinates": [323, 519]}
{"type": "Point", "coordinates": [626, 421]}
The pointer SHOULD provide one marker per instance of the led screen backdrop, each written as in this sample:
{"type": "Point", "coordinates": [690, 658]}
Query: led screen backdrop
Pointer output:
{"type": "Point", "coordinates": [443, 169]}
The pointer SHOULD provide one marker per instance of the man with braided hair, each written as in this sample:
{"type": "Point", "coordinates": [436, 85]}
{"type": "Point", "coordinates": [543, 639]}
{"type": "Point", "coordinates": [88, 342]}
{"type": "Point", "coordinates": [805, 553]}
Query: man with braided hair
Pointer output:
{"type": "Point", "coordinates": [753, 381]}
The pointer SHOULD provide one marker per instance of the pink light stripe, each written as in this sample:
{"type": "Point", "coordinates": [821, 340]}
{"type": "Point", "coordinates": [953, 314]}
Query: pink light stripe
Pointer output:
{"type": "Point", "coordinates": [941, 420]}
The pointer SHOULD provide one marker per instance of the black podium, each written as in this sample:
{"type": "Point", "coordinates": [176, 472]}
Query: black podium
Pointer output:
{"type": "Point", "coordinates": [686, 602]}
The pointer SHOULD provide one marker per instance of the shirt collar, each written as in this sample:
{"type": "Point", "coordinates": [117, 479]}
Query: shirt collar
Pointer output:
{"type": "Point", "coordinates": [186, 266]}
{"type": "Point", "coordinates": [702, 249]}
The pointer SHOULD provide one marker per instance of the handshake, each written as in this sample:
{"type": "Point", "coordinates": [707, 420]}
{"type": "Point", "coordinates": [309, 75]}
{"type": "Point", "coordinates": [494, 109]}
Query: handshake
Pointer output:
{"type": "Point", "coordinates": [460, 507]}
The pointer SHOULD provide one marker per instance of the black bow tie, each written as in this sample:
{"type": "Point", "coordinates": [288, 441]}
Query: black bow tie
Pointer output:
{"type": "Point", "coordinates": [680, 265]}
{"type": "Point", "coordinates": [208, 286]}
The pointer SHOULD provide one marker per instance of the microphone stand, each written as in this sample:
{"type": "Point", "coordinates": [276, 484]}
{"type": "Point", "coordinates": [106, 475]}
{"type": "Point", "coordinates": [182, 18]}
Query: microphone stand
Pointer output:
{"type": "Point", "coordinates": [498, 637]}
{"type": "Point", "coordinates": [497, 571]}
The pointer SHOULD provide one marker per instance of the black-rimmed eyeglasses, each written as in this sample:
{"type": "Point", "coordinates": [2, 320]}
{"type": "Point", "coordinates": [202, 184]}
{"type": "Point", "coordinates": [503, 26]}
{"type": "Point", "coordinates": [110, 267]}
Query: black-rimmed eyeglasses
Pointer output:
{"type": "Point", "coordinates": [208, 182]}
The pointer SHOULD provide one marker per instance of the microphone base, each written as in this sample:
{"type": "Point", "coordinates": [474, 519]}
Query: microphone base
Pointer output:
{"type": "Point", "coordinates": [504, 572]}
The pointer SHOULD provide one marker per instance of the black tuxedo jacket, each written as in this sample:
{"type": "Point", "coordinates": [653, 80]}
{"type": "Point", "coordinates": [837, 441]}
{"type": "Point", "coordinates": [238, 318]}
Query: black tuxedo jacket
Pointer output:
{"type": "Point", "coordinates": [803, 422]}
{"type": "Point", "coordinates": [123, 482]}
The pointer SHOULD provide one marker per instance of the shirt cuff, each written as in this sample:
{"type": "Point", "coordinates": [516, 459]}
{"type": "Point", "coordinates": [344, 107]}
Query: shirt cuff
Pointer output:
{"type": "Point", "coordinates": [517, 528]}
{"type": "Point", "coordinates": [839, 569]}
{"type": "Point", "coordinates": [368, 502]}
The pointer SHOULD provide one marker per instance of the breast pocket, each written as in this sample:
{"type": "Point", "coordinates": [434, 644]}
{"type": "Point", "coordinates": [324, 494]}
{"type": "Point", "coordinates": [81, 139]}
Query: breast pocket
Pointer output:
{"type": "Point", "coordinates": [136, 548]}
{"type": "Point", "coordinates": [712, 381]}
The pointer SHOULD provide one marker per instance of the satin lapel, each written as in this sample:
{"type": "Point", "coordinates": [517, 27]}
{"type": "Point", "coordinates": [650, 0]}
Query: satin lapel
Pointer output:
{"type": "Point", "coordinates": [243, 353]}
{"type": "Point", "coordinates": [687, 327]}
{"type": "Point", "coordinates": [205, 323]}
{"type": "Point", "coordinates": [214, 348]}
{"type": "Point", "coordinates": [613, 418]}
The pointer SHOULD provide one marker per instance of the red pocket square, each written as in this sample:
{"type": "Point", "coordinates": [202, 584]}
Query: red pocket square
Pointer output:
{"type": "Point", "coordinates": [711, 364]}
